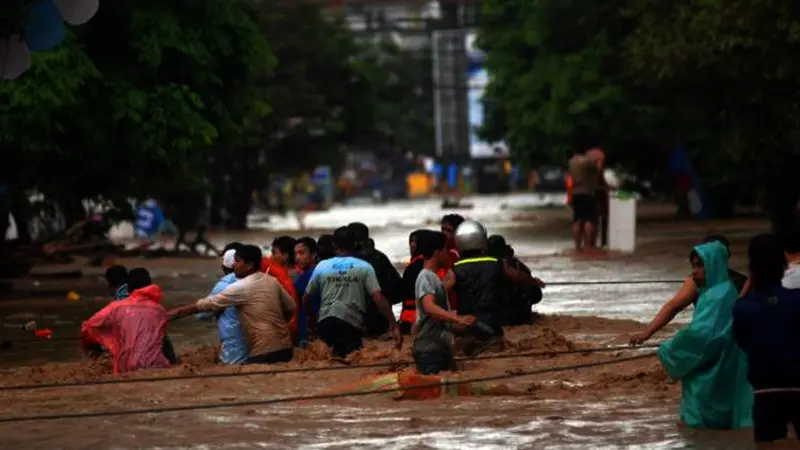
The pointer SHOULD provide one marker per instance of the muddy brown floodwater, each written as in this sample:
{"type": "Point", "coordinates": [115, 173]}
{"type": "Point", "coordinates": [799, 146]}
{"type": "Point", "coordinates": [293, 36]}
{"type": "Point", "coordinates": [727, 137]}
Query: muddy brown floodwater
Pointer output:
{"type": "Point", "coordinates": [627, 405]}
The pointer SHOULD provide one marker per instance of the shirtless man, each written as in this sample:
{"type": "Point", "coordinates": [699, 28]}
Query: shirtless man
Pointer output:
{"type": "Point", "coordinates": [586, 172]}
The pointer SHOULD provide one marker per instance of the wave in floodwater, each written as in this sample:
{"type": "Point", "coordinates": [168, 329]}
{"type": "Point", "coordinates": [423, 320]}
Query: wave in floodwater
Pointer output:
{"type": "Point", "coordinates": [484, 425]}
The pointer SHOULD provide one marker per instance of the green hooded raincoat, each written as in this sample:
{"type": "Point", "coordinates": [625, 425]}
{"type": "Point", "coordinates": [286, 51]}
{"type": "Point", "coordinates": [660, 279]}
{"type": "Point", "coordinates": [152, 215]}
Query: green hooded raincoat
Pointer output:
{"type": "Point", "coordinates": [704, 356]}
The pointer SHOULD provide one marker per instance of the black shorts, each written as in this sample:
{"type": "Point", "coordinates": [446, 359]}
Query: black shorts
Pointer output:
{"type": "Point", "coordinates": [278, 356]}
{"type": "Point", "coordinates": [772, 414]}
{"type": "Point", "coordinates": [584, 208]}
{"type": "Point", "coordinates": [431, 363]}
{"type": "Point", "coordinates": [340, 336]}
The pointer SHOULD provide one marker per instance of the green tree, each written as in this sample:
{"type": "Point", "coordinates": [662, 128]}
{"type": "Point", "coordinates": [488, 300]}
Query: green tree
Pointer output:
{"type": "Point", "coordinates": [135, 102]}
{"type": "Point", "coordinates": [725, 73]}
{"type": "Point", "coordinates": [555, 85]}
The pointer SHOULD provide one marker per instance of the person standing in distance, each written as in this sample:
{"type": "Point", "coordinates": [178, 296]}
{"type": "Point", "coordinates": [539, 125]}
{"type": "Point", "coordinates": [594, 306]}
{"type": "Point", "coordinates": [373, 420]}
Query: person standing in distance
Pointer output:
{"type": "Point", "coordinates": [586, 172]}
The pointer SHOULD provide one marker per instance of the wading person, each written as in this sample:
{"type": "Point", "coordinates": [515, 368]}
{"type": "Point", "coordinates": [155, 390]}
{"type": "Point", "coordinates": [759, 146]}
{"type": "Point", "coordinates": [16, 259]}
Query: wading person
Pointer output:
{"type": "Point", "coordinates": [132, 329]}
{"type": "Point", "coordinates": [117, 279]}
{"type": "Point", "coordinates": [433, 343]}
{"type": "Point", "coordinates": [479, 282]}
{"type": "Point", "coordinates": [263, 306]}
{"type": "Point", "coordinates": [408, 315]}
{"type": "Point", "coordinates": [704, 356]}
{"type": "Point", "coordinates": [766, 325]}
{"type": "Point", "coordinates": [305, 252]}
{"type": "Point", "coordinates": [344, 283]}
{"type": "Point", "coordinates": [280, 270]}
{"type": "Point", "coordinates": [687, 295]}
{"type": "Point", "coordinates": [388, 278]}
{"type": "Point", "coordinates": [233, 347]}
{"type": "Point", "coordinates": [586, 172]}
{"type": "Point", "coordinates": [283, 255]}
{"type": "Point", "coordinates": [520, 296]}
{"type": "Point", "coordinates": [448, 226]}
{"type": "Point", "coordinates": [325, 247]}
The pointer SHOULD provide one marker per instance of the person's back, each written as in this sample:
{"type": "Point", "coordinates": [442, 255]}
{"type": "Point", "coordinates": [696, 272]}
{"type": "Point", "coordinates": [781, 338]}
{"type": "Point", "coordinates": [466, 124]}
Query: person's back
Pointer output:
{"type": "Point", "coordinates": [767, 327]}
{"type": "Point", "coordinates": [132, 330]}
{"type": "Point", "coordinates": [343, 290]}
{"type": "Point", "coordinates": [264, 319]}
{"type": "Point", "coordinates": [584, 174]}
{"type": "Point", "coordinates": [480, 289]}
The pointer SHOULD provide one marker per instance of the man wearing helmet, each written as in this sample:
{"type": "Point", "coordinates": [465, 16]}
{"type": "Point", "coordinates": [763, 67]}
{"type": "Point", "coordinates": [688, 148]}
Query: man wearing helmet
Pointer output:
{"type": "Point", "coordinates": [478, 281]}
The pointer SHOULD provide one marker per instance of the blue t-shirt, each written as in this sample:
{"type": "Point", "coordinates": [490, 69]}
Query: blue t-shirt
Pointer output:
{"type": "Point", "coordinates": [234, 347]}
{"type": "Point", "coordinates": [300, 285]}
{"type": "Point", "coordinates": [344, 283]}
{"type": "Point", "coordinates": [149, 218]}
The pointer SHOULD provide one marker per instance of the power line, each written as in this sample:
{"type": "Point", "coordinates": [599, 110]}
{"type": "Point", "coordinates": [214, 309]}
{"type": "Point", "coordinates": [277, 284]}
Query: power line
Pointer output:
{"type": "Point", "coordinates": [291, 399]}
{"type": "Point", "coordinates": [312, 369]}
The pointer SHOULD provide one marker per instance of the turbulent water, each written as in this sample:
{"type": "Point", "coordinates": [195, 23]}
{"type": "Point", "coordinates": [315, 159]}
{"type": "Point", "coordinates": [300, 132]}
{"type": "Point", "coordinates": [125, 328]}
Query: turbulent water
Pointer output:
{"type": "Point", "coordinates": [573, 422]}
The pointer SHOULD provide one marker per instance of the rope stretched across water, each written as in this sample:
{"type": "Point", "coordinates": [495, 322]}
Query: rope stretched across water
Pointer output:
{"type": "Point", "coordinates": [312, 369]}
{"type": "Point", "coordinates": [290, 399]}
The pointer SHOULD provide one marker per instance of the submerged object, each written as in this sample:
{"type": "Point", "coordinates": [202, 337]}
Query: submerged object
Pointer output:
{"type": "Point", "coordinates": [410, 385]}
{"type": "Point", "coordinates": [471, 235]}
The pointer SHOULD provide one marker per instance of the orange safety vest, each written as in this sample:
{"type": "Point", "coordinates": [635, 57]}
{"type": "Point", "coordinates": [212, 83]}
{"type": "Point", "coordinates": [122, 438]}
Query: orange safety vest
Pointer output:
{"type": "Point", "coordinates": [285, 280]}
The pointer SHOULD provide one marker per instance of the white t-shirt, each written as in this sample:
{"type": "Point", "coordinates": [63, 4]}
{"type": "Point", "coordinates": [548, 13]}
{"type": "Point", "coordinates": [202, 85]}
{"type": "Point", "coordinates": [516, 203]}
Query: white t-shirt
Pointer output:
{"type": "Point", "coordinates": [791, 278]}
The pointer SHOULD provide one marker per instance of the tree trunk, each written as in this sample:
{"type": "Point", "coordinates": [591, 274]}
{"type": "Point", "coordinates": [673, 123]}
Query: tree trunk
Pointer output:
{"type": "Point", "coordinates": [238, 205]}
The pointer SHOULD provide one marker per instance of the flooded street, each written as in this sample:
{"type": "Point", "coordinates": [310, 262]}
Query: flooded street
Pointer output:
{"type": "Point", "coordinates": [630, 405]}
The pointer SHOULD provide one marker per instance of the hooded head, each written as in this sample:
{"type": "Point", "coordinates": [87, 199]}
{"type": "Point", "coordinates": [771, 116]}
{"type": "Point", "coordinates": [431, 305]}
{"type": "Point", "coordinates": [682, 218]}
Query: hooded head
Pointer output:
{"type": "Point", "coordinates": [709, 264]}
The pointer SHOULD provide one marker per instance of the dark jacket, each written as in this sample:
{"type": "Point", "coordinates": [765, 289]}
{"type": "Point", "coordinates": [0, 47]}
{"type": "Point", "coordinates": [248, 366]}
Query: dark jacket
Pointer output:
{"type": "Point", "coordinates": [766, 325]}
{"type": "Point", "coordinates": [522, 297]}
{"type": "Point", "coordinates": [390, 282]}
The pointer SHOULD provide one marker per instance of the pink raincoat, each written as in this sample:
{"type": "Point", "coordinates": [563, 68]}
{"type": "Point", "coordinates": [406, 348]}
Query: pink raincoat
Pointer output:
{"type": "Point", "coordinates": [132, 330]}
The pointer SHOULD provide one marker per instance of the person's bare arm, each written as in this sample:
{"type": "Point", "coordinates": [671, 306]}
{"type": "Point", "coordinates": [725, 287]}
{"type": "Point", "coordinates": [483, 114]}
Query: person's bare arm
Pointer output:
{"type": "Point", "coordinates": [680, 301]}
{"type": "Point", "coordinates": [439, 313]}
{"type": "Point", "coordinates": [306, 302]}
{"type": "Point", "coordinates": [230, 296]}
{"type": "Point", "coordinates": [449, 280]}
{"type": "Point", "coordinates": [745, 288]}
{"type": "Point", "coordinates": [384, 307]}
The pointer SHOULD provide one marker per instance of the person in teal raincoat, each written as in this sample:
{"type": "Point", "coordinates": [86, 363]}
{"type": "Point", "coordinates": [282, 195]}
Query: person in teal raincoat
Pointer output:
{"type": "Point", "coordinates": [704, 356]}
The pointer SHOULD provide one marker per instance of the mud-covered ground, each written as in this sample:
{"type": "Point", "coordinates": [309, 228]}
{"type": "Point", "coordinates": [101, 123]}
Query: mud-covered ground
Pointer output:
{"type": "Point", "coordinates": [626, 405]}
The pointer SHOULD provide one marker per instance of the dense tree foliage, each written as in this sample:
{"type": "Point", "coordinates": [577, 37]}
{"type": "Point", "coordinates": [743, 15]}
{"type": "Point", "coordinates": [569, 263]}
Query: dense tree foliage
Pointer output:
{"type": "Point", "coordinates": [178, 98]}
{"type": "Point", "coordinates": [637, 76]}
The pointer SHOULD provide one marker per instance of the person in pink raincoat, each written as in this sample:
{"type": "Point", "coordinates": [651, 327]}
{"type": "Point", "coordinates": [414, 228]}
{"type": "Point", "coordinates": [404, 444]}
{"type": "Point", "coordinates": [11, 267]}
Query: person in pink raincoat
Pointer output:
{"type": "Point", "coordinates": [131, 329]}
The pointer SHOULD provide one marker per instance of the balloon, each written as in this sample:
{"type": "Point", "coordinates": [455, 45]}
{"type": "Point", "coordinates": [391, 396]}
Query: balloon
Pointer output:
{"type": "Point", "coordinates": [15, 57]}
{"type": "Point", "coordinates": [77, 12]}
{"type": "Point", "coordinates": [44, 28]}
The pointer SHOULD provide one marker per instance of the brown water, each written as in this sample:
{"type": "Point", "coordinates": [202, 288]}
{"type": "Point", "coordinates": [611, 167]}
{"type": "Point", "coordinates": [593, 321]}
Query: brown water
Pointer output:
{"type": "Point", "coordinates": [628, 406]}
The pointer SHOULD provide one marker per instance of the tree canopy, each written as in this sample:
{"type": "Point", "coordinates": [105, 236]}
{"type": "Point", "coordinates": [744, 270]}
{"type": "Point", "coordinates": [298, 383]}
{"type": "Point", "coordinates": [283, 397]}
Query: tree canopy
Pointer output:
{"type": "Point", "coordinates": [174, 99]}
{"type": "Point", "coordinates": [636, 75]}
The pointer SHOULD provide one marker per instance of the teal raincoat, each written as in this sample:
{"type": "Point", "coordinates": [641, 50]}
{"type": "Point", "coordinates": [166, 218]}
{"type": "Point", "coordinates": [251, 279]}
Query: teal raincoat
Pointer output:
{"type": "Point", "coordinates": [715, 392]}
